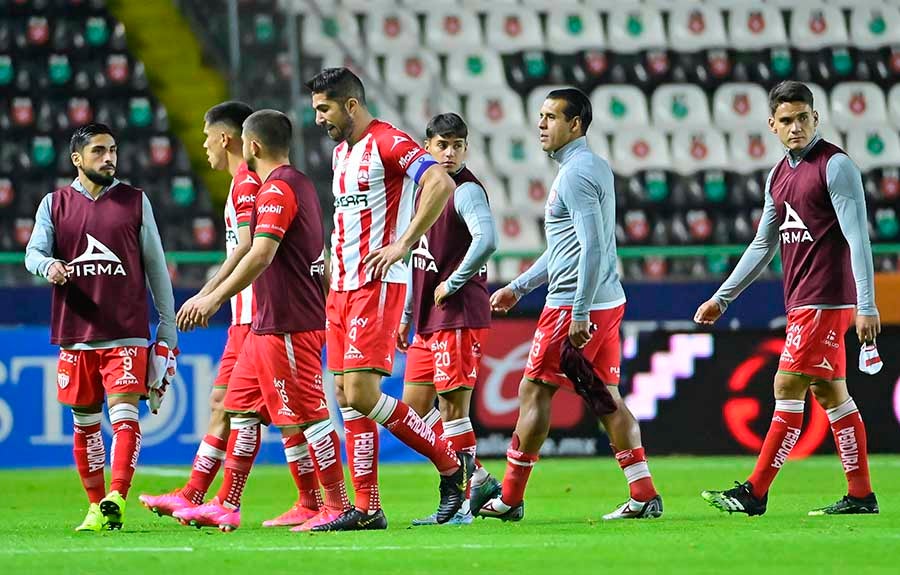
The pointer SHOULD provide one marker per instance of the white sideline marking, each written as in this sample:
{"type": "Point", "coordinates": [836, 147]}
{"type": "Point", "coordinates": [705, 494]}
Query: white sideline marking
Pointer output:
{"type": "Point", "coordinates": [162, 471]}
{"type": "Point", "coordinates": [291, 548]}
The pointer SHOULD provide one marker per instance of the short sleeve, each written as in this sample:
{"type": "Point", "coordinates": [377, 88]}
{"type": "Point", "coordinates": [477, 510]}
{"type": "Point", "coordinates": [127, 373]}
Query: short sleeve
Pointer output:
{"type": "Point", "coordinates": [276, 207]}
{"type": "Point", "coordinates": [400, 153]}
{"type": "Point", "coordinates": [243, 196]}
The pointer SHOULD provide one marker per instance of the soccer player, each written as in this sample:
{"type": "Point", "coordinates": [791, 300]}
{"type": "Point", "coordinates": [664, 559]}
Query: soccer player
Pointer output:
{"type": "Point", "coordinates": [278, 375]}
{"type": "Point", "coordinates": [96, 241]}
{"type": "Point", "coordinates": [448, 302]}
{"type": "Point", "coordinates": [376, 168]}
{"type": "Point", "coordinates": [585, 303]}
{"type": "Point", "coordinates": [815, 209]}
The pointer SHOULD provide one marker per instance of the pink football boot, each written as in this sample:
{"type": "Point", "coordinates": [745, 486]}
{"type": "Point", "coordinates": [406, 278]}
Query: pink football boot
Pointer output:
{"type": "Point", "coordinates": [165, 504]}
{"type": "Point", "coordinates": [212, 514]}
{"type": "Point", "coordinates": [325, 515]}
{"type": "Point", "coordinates": [296, 515]}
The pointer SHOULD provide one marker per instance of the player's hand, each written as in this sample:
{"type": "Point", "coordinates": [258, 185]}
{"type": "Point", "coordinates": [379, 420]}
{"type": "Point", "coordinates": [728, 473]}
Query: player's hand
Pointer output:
{"type": "Point", "coordinates": [58, 273]}
{"type": "Point", "coordinates": [867, 327]}
{"type": "Point", "coordinates": [708, 312]}
{"type": "Point", "coordinates": [403, 337]}
{"type": "Point", "coordinates": [441, 293]}
{"type": "Point", "coordinates": [182, 318]}
{"type": "Point", "coordinates": [380, 261]}
{"type": "Point", "coordinates": [503, 300]}
{"type": "Point", "coordinates": [201, 310]}
{"type": "Point", "coordinates": [580, 333]}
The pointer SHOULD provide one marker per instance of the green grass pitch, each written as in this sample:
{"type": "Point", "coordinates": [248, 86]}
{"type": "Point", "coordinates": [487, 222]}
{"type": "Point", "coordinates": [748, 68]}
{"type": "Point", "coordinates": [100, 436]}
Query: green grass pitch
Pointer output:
{"type": "Point", "coordinates": [562, 533]}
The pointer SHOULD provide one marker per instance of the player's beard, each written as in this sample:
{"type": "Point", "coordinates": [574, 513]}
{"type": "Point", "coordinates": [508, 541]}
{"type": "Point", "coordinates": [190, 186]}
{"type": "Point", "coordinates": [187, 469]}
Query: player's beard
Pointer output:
{"type": "Point", "coordinates": [341, 133]}
{"type": "Point", "coordinates": [99, 178]}
{"type": "Point", "coordinates": [251, 163]}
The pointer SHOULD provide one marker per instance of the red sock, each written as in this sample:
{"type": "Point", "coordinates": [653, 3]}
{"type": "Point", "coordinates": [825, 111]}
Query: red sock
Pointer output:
{"type": "Point", "coordinates": [325, 451]}
{"type": "Point", "coordinates": [90, 455]}
{"type": "Point", "coordinates": [850, 439]}
{"type": "Point", "coordinates": [784, 431]}
{"type": "Point", "coordinates": [634, 463]}
{"type": "Point", "coordinates": [243, 445]}
{"type": "Point", "coordinates": [207, 462]}
{"type": "Point", "coordinates": [433, 420]}
{"type": "Point", "coordinates": [409, 428]}
{"type": "Point", "coordinates": [460, 436]}
{"type": "Point", "coordinates": [518, 468]}
{"type": "Point", "coordinates": [126, 446]}
{"type": "Point", "coordinates": [361, 435]}
{"type": "Point", "coordinates": [297, 453]}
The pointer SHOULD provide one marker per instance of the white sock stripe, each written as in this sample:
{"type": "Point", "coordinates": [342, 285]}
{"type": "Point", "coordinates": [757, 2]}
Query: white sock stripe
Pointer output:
{"type": "Point", "coordinates": [637, 471]}
{"type": "Point", "coordinates": [295, 453]}
{"type": "Point", "coordinates": [520, 463]}
{"type": "Point", "coordinates": [432, 417]}
{"type": "Point", "coordinates": [384, 408]}
{"type": "Point", "coordinates": [457, 427]}
{"type": "Point", "coordinates": [86, 419]}
{"type": "Point", "coordinates": [207, 450]}
{"type": "Point", "coordinates": [123, 412]}
{"type": "Point", "coordinates": [243, 422]}
{"type": "Point", "coordinates": [842, 411]}
{"type": "Point", "coordinates": [790, 405]}
{"type": "Point", "coordinates": [289, 352]}
{"type": "Point", "coordinates": [348, 413]}
{"type": "Point", "coordinates": [318, 431]}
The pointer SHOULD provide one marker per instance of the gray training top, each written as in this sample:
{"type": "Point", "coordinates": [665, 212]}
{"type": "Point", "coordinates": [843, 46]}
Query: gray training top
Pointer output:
{"type": "Point", "coordinates": [580, 224]}
{"type": "Point", "coordinates": [39, 257]}
{"type": "Point", "coordinates": [848, 198]}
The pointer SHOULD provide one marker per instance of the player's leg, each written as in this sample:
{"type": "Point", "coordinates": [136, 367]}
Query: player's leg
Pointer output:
{"type": "Point", "coordinates": [80, 387]}
{"type": "Point", "coordinates": [418, 385]}
{"type": "Point", "coordinates": [299, 459]}
{"type": "Point", "coordinates": [532, 427]}
{"type": "Point", "coordinates": [625, 438]}
{"type": "Point", "coordinates": [850, 439]}
{"type": "Point", "coordinates": [752, 496]}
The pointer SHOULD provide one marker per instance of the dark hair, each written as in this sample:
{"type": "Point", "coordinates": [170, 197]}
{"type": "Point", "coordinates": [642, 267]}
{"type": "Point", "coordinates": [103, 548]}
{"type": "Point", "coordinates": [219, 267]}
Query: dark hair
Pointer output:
{"type": "Point", "coordinates": [83, 135]}
{"type": "Point", "coordinates": [789, 91]}
{"type": "Point", "coordinates": [577, 104]}
{"type": "Point", "coordinates": [271, 127]}
{"type": "Point", "coordinates": [447, 125]}
{"type": "Point", "coordinates": [338, 84]}
{"type": "Point", "coordinates": [232, 114]}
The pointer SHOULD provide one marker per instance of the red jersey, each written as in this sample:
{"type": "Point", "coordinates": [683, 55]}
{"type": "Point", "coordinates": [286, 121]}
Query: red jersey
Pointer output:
{"type": "Point", "coordinates": [238, 211]}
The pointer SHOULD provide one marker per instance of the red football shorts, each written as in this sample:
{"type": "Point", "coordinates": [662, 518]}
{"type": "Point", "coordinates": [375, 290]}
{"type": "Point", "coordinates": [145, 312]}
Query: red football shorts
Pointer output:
{"type": "Point", "coordinates": [603, 350]}
{"type": "Point", "coordinates": [362, 327]}
{"type": "Point", "coordinates": [236, 336]}
{"type": "Point", "coordinates": [279, 377]}
{"type": "Point", "coordinates": [84, 376]}
{"type": "Point", "coordinates": [447, 359]}
{"type": "Point", "coordinates": [814, 344]}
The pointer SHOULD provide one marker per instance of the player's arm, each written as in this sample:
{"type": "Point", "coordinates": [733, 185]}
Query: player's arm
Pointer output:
{"type": "Point", "coordinates": [505, 298]}
{"type": "Point", "coordinates": [470, 201]}
{"type": "Point", "coordinates": [848, 198]}
{"type": "Point", "coordinates": [39, 258]}
{"type": "Point", "coordinates": [157, 276]}
{"type": "Point", "coordinates": [580, 196]}
{"type": "Point", "coordinates": [436, 187]}
{"type": "Point", "coordinates": [752, 263]}
{"type": "Point", "coordinates": [260, 256]}
{"type": "Point", "coordinates": [231, 262]}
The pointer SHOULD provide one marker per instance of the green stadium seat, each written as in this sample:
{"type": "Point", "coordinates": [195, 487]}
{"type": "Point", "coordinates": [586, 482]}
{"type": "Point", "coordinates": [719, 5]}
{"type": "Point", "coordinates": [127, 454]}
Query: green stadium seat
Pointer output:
{"type": "Point", "coordinates": [7, 70]}
{"type": "Point", "coordinates": [59, 69]}
{"type": "Point", "coordinates": [96, 31]}
{"type": "Point", "coordinates": [183, 192]}
{"type": "Point", "coordinates": [886, 225]}
{"type": "Point", "coordinates": [42, 152]}
{"type": "Point", "coordinates": [140, 114]}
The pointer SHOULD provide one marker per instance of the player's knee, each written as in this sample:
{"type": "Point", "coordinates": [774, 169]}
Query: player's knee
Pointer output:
{"type": "Point", "coordinates": [454, 405]}
{"type": "Point", "coordinates": [788, 386]}
{"type": "Point", "coordinates": [360, 396]}
{"type": "Point", "coordinates": [534, 395]}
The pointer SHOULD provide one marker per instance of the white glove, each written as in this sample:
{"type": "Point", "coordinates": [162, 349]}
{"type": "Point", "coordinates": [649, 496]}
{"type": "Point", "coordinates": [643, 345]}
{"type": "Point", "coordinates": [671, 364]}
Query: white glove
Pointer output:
{"type": "Point", "coordinates": [160, 373]}
{"type": "Point", "coordinates": [869, 360]}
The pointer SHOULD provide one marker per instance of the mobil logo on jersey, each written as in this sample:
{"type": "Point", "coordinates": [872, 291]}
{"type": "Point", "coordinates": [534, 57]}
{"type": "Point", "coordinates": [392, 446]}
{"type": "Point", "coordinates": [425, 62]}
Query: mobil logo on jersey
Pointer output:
{"type": "Point", "coordinates": [96, 260]}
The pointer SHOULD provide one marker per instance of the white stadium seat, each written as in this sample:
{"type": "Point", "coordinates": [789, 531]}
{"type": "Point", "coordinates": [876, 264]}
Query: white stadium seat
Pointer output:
{"type": "Point", "coordinates": [675, 106]}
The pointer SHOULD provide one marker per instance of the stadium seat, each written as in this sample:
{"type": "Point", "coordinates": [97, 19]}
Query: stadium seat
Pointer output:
{"type": "Point", "coordinates": [495, 109]}
{"type": "Point", "coordinates": [676, 106]}
{"type": "Point", "coordinates": [7, 195]}
{"type": "Point", "coordinates": [632, 29]}
{"type": "Point", "coordinates": [526, 70]}
{"type": "Point", "coordinates": [874, 25]}
{"type": "Point", "coordinates": [598, 142]}
{"type": "Point", "coordinates": [412, 72]}
{"type": "Point", "coordinates": [638, 149]}
{"type": "Point", "coordinates": [161, 152]}
{"type": "Point", "coordinates": [636, 227]}
{"type": "Point", "coordinates": [857, 104]}
{"type": "Point", "coordinates": [875, 147]}
{"type": "Point", "coordinates": [43, 154]}
{"type": "Point", "coordinates": [756, 26]}
{"type": "Point", "coordinates": [22, 113]}
{"type": "Point", "coordinates": [511, 29]}
{"type": "Point", "coordinates": [448, 29]}
{"type": "Point", "coordinates": [696, 27]}
{"type": "Point", "coordinates": [7, 70]}
{"type": "Point", "coordinates": [820, 33]}
{"type": "Point", "coordinates": [887, 226]}
{"type": "Point", "coordinates": [821, 103]}
{"type": "Point", "coordinates": [536, 99]}
{"type": "Point", "coordinates": [697, 149]}
{"type": "Point", "coordinates": [831, 134]}
{"type": "Point", "coordinates": [751, 150]}
{"type": "Point", "coordinates": [421, 106]}
{"type": "Point", "coordinates": [618, 106]}
{"type": "Point", "coordinates": [572, 28]}
{"type": "Point", "coordinates": [364, 6]}
{"type": "Point", "coordinates": [391, 30]}
{"type": "Point", "coordinates": [517, 150]}
{"type": "Point", "coordinates": [740, 105]}
{"type": "Point", "coordinates": [474, 69]}
{"type": "Point", "coordinates": [117, 68]}
{"type": "Point", "coordinates": [320, 36]}
{"type": "Point", "coordinates": [518, 232]}
{"type": "Point", "coordinates": [510, 268]}
{"type": "Point", "coordinates": [528, 191]}
{"type": "Point", "coordinates": [22, 231]}
{"type": "Point", "coordinates": [894, 105]}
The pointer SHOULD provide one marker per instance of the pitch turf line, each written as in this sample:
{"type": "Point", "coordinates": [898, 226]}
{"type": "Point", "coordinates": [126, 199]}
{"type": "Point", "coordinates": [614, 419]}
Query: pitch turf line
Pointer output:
{"type": "Point", "coordinates": [291, 548]}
